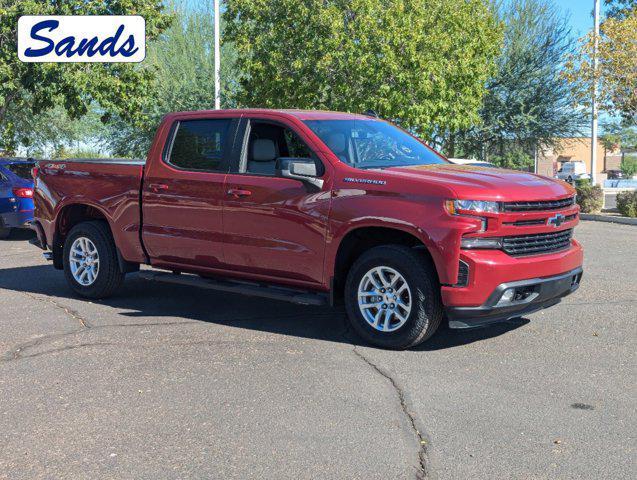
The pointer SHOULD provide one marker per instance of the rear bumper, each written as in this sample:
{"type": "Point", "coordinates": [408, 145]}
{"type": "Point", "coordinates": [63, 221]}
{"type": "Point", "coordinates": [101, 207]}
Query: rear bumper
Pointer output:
{"type": "Point", "coordinates": [542, 293]}
{"type": "Point", "coordinates": [20, 219]}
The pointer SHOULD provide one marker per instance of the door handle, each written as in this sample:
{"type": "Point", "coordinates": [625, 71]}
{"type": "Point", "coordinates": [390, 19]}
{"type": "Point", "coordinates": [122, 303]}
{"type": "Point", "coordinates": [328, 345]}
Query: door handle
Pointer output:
{"type": "Point", "coordinates": [158, 187]}
{"type": "Point", "coordinates": [238, 192]}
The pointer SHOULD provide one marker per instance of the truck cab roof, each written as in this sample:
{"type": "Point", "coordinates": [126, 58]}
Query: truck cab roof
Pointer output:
{"type": "Point", "coordinates": [297, 113]}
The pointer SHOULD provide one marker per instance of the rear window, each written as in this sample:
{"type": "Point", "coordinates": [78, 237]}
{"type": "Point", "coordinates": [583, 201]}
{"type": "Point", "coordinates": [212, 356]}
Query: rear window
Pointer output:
{"type": "Point", "coordinates": [22, 170]}
{"type": "Point", "coordinates": [200, 144]}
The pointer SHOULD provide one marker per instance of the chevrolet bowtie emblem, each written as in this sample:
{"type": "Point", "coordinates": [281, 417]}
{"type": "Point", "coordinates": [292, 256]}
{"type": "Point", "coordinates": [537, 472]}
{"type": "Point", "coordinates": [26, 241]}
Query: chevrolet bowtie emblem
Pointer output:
{"type": "Point", "coordinates": [557, 220]}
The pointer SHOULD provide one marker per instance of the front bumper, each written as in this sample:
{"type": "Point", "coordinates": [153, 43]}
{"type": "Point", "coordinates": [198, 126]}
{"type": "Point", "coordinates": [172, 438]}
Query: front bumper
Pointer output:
{"type": "Point", "coordinates": [490, 268]}
{"type": "Point", "coordinates": [542, 293]}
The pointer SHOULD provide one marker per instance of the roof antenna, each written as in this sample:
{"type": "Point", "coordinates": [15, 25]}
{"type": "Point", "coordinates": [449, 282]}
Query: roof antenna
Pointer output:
{"type": "Point", "coordinates": [371, 113]}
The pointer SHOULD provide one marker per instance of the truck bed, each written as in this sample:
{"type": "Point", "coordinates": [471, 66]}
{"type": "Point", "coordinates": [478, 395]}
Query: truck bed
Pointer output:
{"type": "Point", "coordinates": [112, 161]}
{"type": "Point", "coordinates": [109, 186]}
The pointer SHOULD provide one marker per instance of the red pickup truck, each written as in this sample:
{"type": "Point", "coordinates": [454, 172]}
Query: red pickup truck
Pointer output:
{"type": "Point", "coordinates": [315, 208]}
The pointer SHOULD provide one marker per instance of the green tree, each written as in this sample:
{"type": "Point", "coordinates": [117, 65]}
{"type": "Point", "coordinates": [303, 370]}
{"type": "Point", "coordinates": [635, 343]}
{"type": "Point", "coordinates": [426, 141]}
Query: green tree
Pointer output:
{"type": "Point", "coordinates": [422, 63]}
{"type": "Point", "coordinates": [619, 8]}
{"type": "Point", "coordinates": [35, 87]}
{"type": "Point", "coordinates": [183, 61]}
{"type": "Point", "coordinates": [616, 75]}
{"type": "Point", "coordinates": [528, 103]}
{"type": "Point", "coordinates": [52, 131]}
{"type": "Point", "coordinates": [619, 135]}
{"type": "Point", "coordinates": [629, 166]}
{"type": "Point", "coordinates": [514, 157]}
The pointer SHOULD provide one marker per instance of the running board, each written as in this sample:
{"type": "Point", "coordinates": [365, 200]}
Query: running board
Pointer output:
{"type": "Point", "coordinates": [302, 297]}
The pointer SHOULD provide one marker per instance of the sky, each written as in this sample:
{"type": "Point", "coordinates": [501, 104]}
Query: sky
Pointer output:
{"type": "Point", "coordinates": [580, 13]}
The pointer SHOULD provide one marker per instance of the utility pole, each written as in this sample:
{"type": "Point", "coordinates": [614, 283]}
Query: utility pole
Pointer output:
{"type": "Point", "coordinates": [594, 102]}
{"type": "Point", "coordinates": [217, 58]}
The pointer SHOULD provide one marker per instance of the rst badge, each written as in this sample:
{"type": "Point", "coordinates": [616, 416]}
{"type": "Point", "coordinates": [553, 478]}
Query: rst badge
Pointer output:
{"type": "Point", "coordinates": [82, 38]}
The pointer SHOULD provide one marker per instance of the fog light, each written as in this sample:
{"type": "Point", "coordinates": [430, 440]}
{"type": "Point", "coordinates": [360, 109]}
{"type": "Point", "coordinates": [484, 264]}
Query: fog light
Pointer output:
{"type": "Point", "coordinates": [507, 296]}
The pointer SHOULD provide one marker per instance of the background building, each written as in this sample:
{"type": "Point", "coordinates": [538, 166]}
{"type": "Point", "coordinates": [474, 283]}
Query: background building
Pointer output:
{"type": "Point", "coordinates": [577, 149]}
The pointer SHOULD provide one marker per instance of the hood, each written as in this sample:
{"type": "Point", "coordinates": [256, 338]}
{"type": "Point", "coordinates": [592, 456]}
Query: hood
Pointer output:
{"type": "Point", "coordinates": [482, 183]}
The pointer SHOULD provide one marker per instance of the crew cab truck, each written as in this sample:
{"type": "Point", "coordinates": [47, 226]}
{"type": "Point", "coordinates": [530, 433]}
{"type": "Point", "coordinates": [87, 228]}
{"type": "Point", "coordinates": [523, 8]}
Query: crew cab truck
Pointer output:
{"type": "Point", "coordinates": [316, 208]}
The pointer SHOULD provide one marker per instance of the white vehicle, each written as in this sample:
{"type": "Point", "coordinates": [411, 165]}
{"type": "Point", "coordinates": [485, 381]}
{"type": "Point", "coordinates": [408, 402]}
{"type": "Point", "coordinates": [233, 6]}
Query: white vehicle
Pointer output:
{"type": "Point", "coordinates": [472, 162]}
{"type": "Point", "coordinates": [572, 171]}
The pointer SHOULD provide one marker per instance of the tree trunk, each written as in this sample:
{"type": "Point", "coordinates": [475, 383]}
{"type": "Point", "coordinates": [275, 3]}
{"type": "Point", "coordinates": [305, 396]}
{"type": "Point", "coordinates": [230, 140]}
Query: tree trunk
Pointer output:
{"type": "Point", "coordinates": [451, 145]}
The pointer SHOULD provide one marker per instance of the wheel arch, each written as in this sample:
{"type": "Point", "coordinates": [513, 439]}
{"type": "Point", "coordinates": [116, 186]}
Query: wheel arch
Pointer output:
{"type": "Point", "coordinates": [360, 239]}
{"type": "Point", "coordinates": [72, 214]}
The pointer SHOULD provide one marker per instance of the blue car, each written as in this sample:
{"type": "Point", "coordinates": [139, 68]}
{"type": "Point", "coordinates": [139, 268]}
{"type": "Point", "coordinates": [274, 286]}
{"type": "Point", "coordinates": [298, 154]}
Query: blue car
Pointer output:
{"type": "Point", "coordinates": [16, 194]}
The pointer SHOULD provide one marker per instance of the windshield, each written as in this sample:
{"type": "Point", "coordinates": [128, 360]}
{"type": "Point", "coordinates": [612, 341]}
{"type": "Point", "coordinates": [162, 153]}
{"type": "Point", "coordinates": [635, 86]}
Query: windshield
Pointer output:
{"type": "Point", "coordinates": [372, 143]}
{"type": "Point", "coordinates": [22, 170]}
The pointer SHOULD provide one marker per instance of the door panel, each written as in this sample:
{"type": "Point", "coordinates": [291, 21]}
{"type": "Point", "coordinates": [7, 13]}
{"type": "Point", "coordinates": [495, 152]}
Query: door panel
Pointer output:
{"type": "Point", "coordinates": [182, 202]}
{"type": "Point", "coordinates": [182, 222]}
{"type": "Point", "coordinates": [278, 229]}
{"type": "Point", "coordinates": [274, 226]}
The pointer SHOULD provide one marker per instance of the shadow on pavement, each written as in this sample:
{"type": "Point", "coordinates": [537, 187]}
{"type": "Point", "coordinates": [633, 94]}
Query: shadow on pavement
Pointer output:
{"type": "Point", "coordinates": [19, 235]}
{"type": "Point", "coordinates": [446, 337]}
{"type": "Point", "coordinates": [141, 298]}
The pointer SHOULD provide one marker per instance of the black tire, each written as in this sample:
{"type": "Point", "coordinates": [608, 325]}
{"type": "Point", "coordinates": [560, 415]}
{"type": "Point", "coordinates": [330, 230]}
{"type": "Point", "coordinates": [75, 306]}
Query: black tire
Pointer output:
{"type": "Point", "coordinates": [419, 273]}
{"type": "Point", "coordinates": [5, 232]}
{"type": "Point", "coordinates": [109, 277]}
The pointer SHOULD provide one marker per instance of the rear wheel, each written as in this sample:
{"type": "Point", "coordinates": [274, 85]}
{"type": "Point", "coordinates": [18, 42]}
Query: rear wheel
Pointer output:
{"type": "Point", "coordinates": [90, 260]}
{"type": "Point", "coordinates": [392, 297]}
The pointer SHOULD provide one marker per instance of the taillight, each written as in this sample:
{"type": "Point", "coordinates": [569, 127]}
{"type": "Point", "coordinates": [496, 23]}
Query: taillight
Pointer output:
{"type": "Point", "coordinates": [23, 192]}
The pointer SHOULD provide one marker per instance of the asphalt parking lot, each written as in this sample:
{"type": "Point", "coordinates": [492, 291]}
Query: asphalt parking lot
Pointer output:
{"type": "Point", "coordinates": [169, 382]}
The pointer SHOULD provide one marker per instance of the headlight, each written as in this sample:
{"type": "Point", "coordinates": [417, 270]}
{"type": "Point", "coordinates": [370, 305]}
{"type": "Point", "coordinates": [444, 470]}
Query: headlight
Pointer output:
{"type": "Point", "coordinates": [457, 207]}
{"type": "Point", "coordinates": [481, 243]}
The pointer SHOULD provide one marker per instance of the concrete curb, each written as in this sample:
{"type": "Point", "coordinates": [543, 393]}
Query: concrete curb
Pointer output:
{"type": "Point", "coordinates": [607, 218]}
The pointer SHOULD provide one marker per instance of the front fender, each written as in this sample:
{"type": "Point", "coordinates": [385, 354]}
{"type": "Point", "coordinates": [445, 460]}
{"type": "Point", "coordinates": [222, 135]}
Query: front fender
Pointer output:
{"type": "Point", "coordinates": [420, 216]}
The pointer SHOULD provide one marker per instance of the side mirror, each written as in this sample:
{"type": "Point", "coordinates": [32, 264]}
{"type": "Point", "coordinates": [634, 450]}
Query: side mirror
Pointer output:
{"type": "Point", "coordinates": [303, 169]}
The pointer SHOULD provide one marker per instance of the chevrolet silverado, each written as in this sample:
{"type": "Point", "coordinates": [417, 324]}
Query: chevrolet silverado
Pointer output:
{"type": "Point", "coordinates": [315, 208]}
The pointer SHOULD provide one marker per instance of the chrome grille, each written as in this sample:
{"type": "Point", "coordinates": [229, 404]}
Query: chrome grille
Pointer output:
{"type": "Point", "coordinates": [538, 243]}
{"type": "Point", "coordinates": [537, 206]}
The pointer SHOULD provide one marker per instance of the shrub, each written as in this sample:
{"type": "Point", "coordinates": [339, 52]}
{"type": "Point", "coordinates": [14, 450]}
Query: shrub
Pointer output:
{"type": "Point", "coordinates": [629, 166]}
{"type": "Point", "coordinates": [580, 182]}
{"type": "Point", "coordinates": [590, 198]}
{"type": "Point", "coordinates": [627, 203]}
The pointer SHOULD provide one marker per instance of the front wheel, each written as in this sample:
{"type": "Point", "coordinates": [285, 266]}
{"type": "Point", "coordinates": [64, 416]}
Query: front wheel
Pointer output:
{"type": "Point", "coordinates": [90, 260]}
{"type": "Point", "coordinates": [392, 297]}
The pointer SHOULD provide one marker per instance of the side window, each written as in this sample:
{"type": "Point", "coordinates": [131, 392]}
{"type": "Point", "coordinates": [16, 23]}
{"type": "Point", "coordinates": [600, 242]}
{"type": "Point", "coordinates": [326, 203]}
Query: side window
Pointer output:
{"type": "Point", "coordinates": [295, 146]}
{"type": "Point", "coordinates": [269, 141]}
{"type": "Point", "coordinates": [200, 145]}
